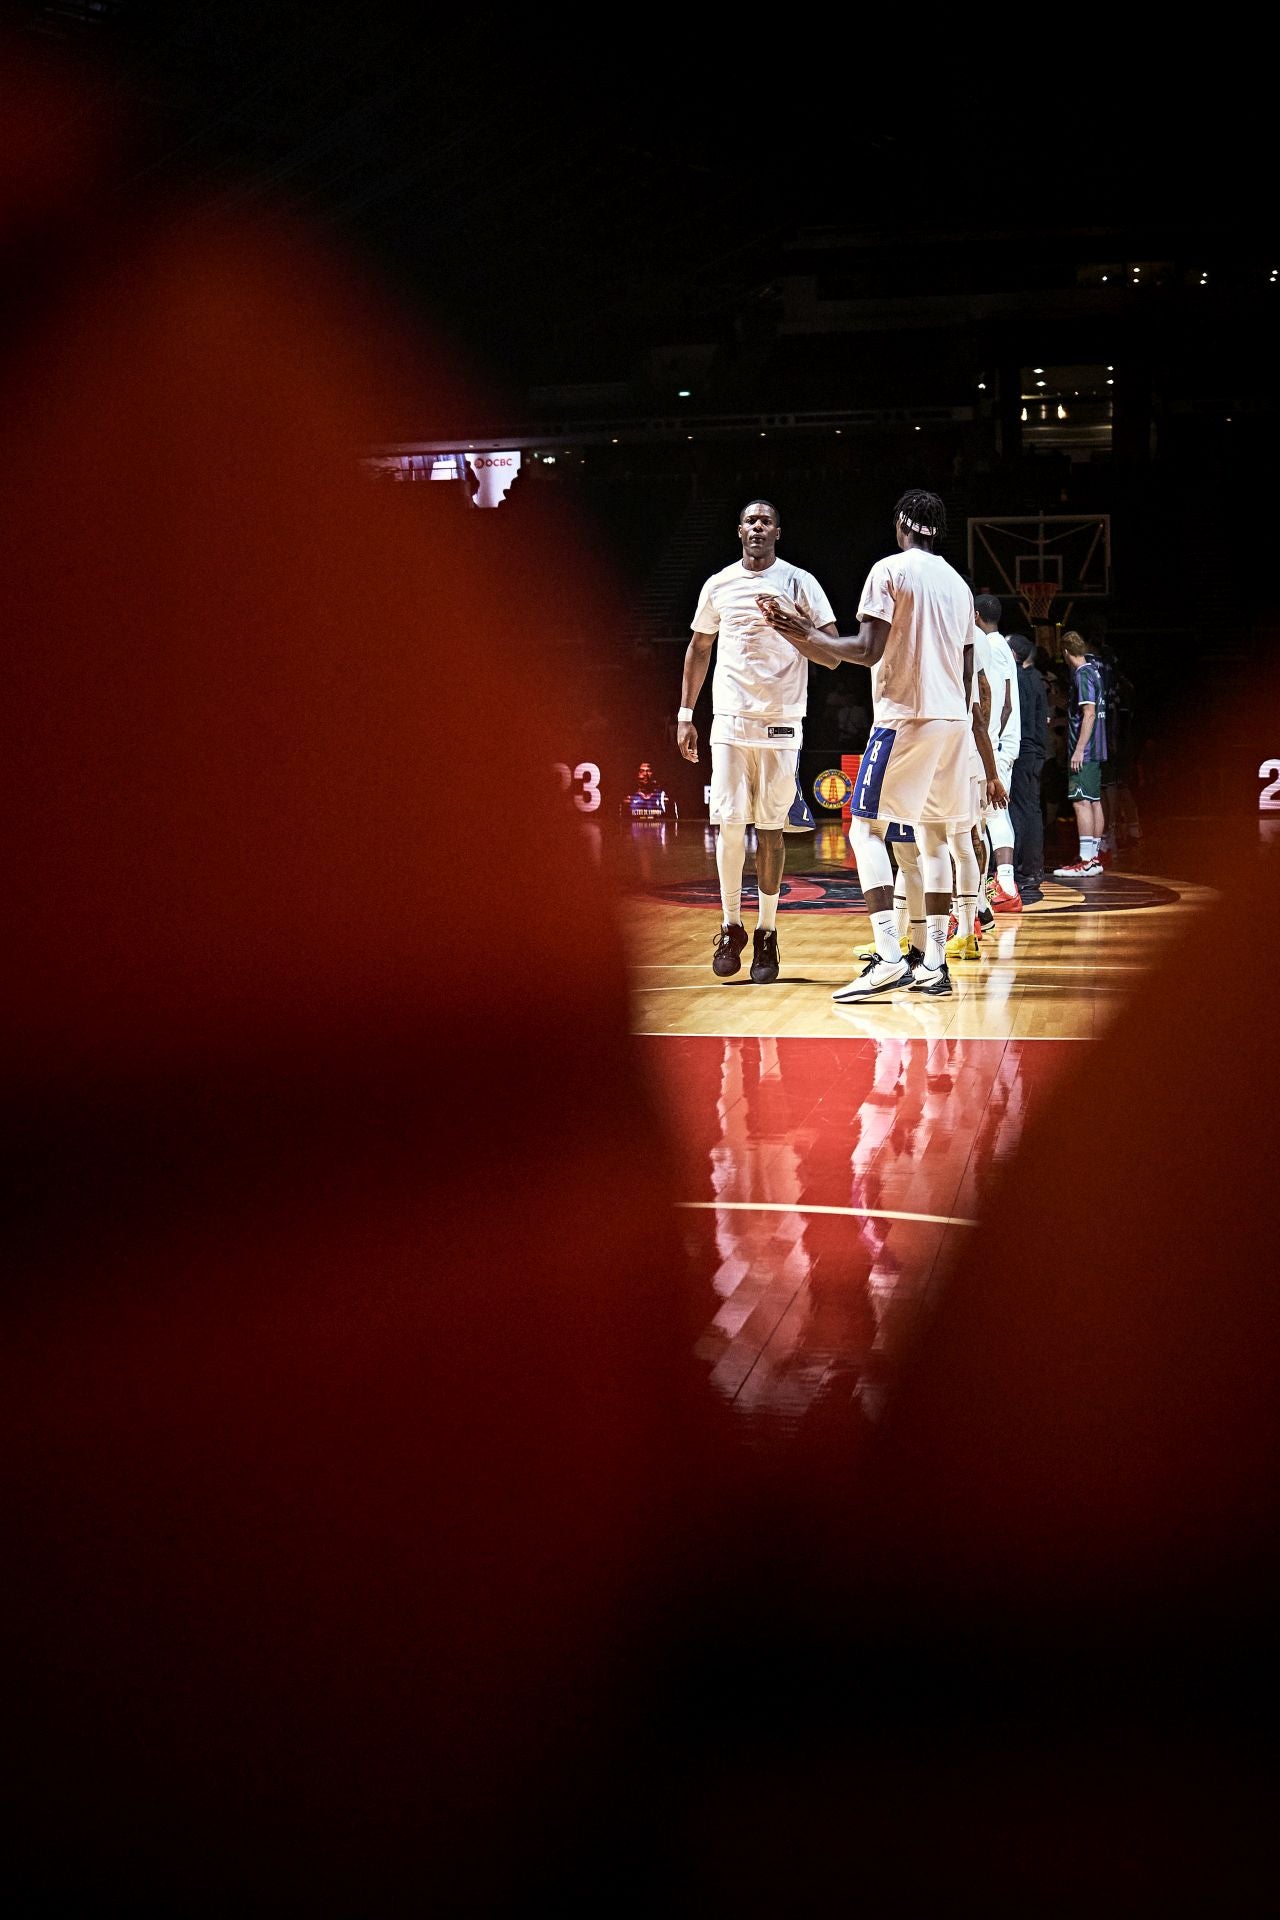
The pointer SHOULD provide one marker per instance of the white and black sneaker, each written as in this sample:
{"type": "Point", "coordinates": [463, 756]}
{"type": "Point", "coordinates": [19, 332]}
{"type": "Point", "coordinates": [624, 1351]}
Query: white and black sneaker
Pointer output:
{"type": "Point", "coordinates": [878, 976]}
{"type": "Point", "coordinates": [935, 981]}
{"type": "Point", "coordinates": [985, 917]}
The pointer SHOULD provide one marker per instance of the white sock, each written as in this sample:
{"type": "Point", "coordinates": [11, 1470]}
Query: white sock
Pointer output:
{"type": "Point", "coordinates": [967, 866]}
{"type": "Point", "coordinates": [915, 887]}
{"type": "Point", "coordinates": [918, 935]}
{"type": "Point", "coordinates": [935, 942]}
{"type": "Point", "coordinates": [1088, 846]}
{"type": "Point", "coordinates": [965, 909]}
{"type": "Point", "coordinates": [885, 934]}
{"type": "Point", "coordinates": [1005, 877]}
{"type": "Point", "coordinates": [935, 862]}
{"type": "Point", "coordinates": [731, 854]}
{"type": "Point", "coordinates": [769, 909]}
{"type": "Point", "coordinates": [902, 917]}
{"type": "Point", "coordinates": [875, 869]}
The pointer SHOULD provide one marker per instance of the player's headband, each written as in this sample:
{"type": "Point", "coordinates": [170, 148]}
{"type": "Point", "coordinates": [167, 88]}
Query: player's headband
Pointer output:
{"type": "Point", "coordinates": [915, 526]}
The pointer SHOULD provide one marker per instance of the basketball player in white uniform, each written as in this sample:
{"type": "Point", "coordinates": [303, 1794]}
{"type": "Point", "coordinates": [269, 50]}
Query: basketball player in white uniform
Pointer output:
{"type": "Point", "coordinates": [970, 860]}
{"type": "Point", "coordinates": [1006, 736]}
{"type": "Point", "coordinates": [759, 692]}
{"type": "Point", "coordinates": [908, 883]}
{"type": "Point", "coordinates": [915, 619]}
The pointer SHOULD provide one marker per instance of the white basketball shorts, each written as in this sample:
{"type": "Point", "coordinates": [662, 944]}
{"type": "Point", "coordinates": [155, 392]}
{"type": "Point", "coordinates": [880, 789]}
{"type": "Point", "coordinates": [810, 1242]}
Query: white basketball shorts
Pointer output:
{"type": "Point", "coordinates": [917, 770]}
{"type": "Point", "coordinates": [753, 770]}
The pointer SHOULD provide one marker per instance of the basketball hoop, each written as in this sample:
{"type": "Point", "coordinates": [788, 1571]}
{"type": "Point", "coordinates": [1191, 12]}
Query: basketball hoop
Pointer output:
{"type": "Point", "coordinates": [1038, 596]}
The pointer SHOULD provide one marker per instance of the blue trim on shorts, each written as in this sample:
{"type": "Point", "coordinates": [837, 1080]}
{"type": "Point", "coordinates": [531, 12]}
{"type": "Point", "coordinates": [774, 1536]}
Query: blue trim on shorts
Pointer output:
{"type": "Point", "coordinates": [875, 759]}
{"type": "Point", "coordinates": [898, 832]}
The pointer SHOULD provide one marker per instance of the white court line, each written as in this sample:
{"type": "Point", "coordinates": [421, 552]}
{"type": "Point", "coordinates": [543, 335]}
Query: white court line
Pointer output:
{"type": "Point", "coordinates": [1024, 967]}
{"type": "Point", "coordinates": [717, 986]}
{"type": "Point", "coordinates": [905, 1039]}
{"type": "Point", "coordinates": [859, 1213]}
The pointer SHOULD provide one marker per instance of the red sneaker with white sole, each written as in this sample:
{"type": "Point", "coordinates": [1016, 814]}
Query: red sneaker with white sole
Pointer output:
{"type": "Point", "coordinates": [1002, 902]}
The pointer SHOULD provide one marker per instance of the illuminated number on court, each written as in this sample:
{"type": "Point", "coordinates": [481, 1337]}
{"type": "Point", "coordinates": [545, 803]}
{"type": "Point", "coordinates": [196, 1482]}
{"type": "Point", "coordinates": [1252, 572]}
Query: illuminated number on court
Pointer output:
{"type": "Point", "coordinates": [566, 778]}
{"type": "Point", "coordinates": [587, 799]}
{"type": "Point", "coordinates": [1269, 798]}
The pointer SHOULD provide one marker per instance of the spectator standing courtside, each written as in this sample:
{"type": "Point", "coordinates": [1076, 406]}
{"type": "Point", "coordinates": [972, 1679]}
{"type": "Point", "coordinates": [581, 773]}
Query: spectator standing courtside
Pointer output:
{"type": "Point", "coordinates": [1086, 752]}
{"type": "Point", "coordinates": [1024, 792]}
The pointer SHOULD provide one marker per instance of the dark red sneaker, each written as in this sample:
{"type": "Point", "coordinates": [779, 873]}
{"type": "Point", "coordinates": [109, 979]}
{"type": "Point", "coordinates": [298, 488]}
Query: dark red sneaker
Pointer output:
{"type": "Point", "coordinates": [764, 955]}
{"type": "Point", "coordinates": [727, 957]}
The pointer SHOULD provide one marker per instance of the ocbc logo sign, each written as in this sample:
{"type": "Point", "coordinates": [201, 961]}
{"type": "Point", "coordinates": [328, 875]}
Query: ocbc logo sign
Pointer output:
{"type": "Point", "coordinates": [492, 463]}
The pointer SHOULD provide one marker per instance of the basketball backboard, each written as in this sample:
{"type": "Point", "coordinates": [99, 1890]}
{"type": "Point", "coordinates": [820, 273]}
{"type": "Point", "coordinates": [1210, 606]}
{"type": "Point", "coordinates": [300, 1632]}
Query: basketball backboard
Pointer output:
{"type": "Point", "coordinates": [1046, 561]}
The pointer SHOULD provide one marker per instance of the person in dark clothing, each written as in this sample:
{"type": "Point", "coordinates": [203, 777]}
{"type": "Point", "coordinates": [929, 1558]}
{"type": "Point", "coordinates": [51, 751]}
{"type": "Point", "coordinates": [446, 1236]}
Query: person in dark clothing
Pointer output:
{"type": "Point", "coordinates": [1024, 788]}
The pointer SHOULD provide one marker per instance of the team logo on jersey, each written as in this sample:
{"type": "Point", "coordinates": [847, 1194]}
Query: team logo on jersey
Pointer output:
{"type": "Point", "coordinates": [832, 788]}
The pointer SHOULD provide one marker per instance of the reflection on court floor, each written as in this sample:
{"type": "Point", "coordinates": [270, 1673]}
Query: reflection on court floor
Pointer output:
{"type": "Point", "coordinates": [835, 1160]}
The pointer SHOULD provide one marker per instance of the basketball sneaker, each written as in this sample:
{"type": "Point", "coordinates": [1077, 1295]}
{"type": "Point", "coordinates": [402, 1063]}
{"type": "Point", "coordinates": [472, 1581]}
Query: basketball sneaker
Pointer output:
{"type": "Point", "coordinates": [1078, 869]}
{"type": "Point", "coordinates": [935, 981]}
{"type": "Point", "coordinates": [1002, 902]}
{"type": "Point", "coordinates": [964, 946]}
{"type": "Point", "coordinates": [726, 956]}
{"type": "Point", "coordinates": [871, 953]}
{"type": "Point", "coordinates": [983, 921]}
{"type": "Point", "coordinates": [878, 976]}
{"type": "Point", "coordinates": [764, 955]}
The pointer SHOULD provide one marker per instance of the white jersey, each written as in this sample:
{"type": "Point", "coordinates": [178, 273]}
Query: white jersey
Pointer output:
{"type": "Point", "coordinates": [929, 609]}
{"type": "Point", "coordinates": [758, 674]}
{"type": "Point", "coordinates": [1004, 675]}
{"type": "Point", "coordinates": [982, 664]}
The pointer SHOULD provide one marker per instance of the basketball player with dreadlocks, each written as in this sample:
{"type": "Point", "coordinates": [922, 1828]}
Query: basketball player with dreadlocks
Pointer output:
{"type": "Point", "coordinates": [916, 626]}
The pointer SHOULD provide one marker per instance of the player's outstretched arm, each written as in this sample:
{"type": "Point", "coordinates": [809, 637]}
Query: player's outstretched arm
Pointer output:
{"type": "Point", "coordinates": [825, 645]}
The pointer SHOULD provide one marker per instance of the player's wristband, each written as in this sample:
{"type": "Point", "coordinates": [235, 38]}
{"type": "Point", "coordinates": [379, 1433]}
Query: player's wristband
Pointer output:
{"type": "Point", "coordinates": [684, 713]}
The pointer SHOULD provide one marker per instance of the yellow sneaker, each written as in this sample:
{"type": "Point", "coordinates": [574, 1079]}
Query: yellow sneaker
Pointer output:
{"type": "Point", "coordinates": [963, 946]}
{"type": "Point", "coordinates": [869, 953]}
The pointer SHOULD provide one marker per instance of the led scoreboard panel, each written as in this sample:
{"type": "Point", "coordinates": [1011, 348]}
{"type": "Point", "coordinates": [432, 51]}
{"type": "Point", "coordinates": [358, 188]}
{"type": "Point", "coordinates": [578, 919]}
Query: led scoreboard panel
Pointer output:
{"type": "Point", "coordinates": [487, 475]}
{"type": "Point", "coordinates": [581, 782]}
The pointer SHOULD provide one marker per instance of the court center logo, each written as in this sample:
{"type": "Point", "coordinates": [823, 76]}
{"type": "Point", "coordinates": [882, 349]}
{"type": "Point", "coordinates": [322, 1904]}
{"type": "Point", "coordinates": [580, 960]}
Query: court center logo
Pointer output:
{"type": "Point", "coordinates": [832, 788]}
{"type": "Point", "coordinates": [839, 892]}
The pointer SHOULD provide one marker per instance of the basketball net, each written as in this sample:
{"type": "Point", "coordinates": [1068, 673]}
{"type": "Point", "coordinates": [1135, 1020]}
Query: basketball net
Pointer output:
{"type": "Point", "coordinates": [1038, 596]}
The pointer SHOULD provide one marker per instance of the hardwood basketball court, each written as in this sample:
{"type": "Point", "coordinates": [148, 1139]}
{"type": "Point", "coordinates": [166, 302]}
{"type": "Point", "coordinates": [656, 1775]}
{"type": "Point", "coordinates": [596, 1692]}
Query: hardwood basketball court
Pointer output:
{"type": "Point", "coordinates": [835, 1159]}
